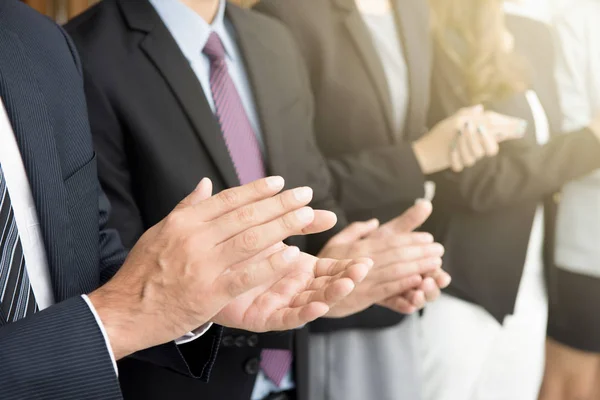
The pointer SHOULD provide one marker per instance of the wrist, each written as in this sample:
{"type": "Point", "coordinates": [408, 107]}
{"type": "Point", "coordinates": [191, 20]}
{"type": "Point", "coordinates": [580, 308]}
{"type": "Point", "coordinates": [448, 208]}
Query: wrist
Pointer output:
{"type": "Point", "coordinates": [118, 316]}
{"type": "Point", "coordinates": [594, 127]}
{"type": "Point", "coordinates": [422, 155]}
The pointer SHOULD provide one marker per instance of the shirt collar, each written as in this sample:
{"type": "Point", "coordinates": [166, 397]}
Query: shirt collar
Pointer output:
{"type": "Point", "coordinates": [190, 31]}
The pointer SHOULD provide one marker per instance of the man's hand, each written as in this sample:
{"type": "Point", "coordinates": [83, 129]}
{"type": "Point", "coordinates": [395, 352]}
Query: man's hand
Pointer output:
{"type": "Point", "coordinates": [304, 294]}
{"type": "Point", "coordinates": [413, 300]}
{"type": "Point", "coordinates": [401, 258]}
{"type": "Point", "coordinates": [201, 257]}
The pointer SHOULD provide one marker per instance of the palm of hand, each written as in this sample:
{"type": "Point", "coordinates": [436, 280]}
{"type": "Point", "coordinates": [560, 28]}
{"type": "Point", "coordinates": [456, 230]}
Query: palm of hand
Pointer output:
{"type": "Point", "coordinates": [299, 297]}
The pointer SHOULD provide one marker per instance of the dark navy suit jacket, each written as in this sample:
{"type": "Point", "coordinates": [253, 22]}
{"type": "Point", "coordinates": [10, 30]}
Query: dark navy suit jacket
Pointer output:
{"type": "Point", "coordinates": [60, 353]}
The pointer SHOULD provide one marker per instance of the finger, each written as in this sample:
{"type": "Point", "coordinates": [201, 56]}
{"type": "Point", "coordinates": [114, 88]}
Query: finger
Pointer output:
{"type": "Point", "coordinates": [404, 269]}
{"type": "Point", "coordinates": [202, 192]}
{"type": "Point", "coordinates": [515, 130]}
{"type": "Point", "coordinates": [354, 232]}
{"type": "Point", "coordinates": [233, 283]}
{"type": "Point", "coordinates": [416, 298]}
{"type": "Point", "coordinates": [407, 254]}
{"type": "Point", "coordinates": [442, 278]}
{"type": "Point", "coordinates": [410, 220]}
{"type": "Point", "coordinates": [490, 145]}
{"type": "Point", "coordinates": [473, 110]}
{"type": "Point", "coordinates": [455, 160]}
{"type": "Point", "coordinates": [474, 141]}
{"type": "Point", "coordinates": [464, 150]}
{"type": "Point", "coordinates": [396, 287]}
{"type": "Point", "coordinates": [399, 304]}
{"type": "Point", "coordinates": [430, 289]}
{"type": "Point", "coordinates": [324, 220]}
{"type": "Point", "coordinates": [289, 318]}
{"type": "Point", "coordinates": [252, 241]}
{"type": "Point", "coordinates": [261, 212]}
{"type": "Point", "coordinates": [355, 270]}
{"type": "Point", "coordinates": [375, 245]}
{"type": "Point", "coordinates": [232, 199]}
{"type": "Point", "coordinates": [505, 127]}
{"type": "Point", "coordinates": [332, 289]}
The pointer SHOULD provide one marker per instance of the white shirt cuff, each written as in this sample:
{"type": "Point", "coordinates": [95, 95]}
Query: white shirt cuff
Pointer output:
{"type": "Point", "coordinates": [101, 326]}
{"type": "Point", "coordinates": [195, 334]}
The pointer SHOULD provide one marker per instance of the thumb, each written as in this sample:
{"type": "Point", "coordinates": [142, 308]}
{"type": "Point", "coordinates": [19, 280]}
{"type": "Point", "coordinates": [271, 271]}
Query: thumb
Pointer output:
{"type": "Point", "coordinates": [411, 219]}
{"type": "Point", "coordinates": [354, 232]}
{"type": "Point", "coordinates": [505, 127]}
{"type": "Point", "coordinates": [202, 192]}
{"type": "Point", "coordinates": [476, 109]}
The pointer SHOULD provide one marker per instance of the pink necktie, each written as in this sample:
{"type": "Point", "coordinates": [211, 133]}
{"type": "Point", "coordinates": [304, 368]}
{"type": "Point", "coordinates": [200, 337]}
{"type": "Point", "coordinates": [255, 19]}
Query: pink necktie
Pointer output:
{"type": "Point", "coordinates": [245, 153]}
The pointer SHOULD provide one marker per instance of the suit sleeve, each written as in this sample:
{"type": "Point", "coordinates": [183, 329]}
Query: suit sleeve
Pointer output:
{"type": "Point", "coordinates": [123, 220]}
{"type": "Point", "coordinates": [521, 173]}
{"type": "Point", "coordinates": [322, 182]}
{"type": "Point", "coordinates": [373, 177]}
{"type": "Point", "coordinates": [57, 354]}
{"type": "Point", "coordinates": [524, 171]}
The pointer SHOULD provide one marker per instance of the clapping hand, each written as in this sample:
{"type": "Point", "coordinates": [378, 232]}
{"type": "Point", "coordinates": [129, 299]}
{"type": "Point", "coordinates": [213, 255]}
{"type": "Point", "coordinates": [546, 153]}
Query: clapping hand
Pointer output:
{"type": "Point", "coordinates": [221, 258]}
{"type": "Point", "coordinates": [402, 257]}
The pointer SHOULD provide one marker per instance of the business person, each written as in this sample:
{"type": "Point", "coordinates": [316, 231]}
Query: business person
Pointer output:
{"type": "Point", "coordinates": [56, 342]}
{"type": "Point", "coordinates": [369, 64]}
{"type": "Point", "coordinates": [572, 353]}
{"type": "Point", "coordinates": [181, 90]}
{"type": "Point", "coordinates": [485, 337]}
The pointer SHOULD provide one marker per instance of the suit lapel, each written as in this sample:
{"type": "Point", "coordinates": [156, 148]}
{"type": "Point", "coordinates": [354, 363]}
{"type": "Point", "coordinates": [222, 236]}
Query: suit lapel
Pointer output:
{"type": "Point", "coordinates": [411, 20]}
{"type": "Point", "coordinates": [32, 125]}
{"type": "Point", "coordinates": [256, 53]}
{"type": "Point", "coordinates": [361, 38]}
{"type": "Point", "coordinates": [162, 50]}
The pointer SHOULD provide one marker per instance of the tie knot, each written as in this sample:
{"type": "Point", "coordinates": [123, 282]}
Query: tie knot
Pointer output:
{"type": "Point", "coordinates": [214, 48]}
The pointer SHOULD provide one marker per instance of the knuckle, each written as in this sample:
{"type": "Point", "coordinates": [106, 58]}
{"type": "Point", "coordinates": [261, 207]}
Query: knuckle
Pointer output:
{"type": "Point", "coordinates": [404, 269]}
{"type": "Point", "coordinates": [229, 198]}
{"type": "Point", "coordinates": [387, 291]}
{"type": "Point", "coordinates": [283, 202]}
{"type": "Point", "coordinates": [246, 215]}
{"type": "Point", "coordinates": [248, 242]}
{"type": "Point", "coordinates": [401, 253]}
{"type": "Point", "coordinates": [288, 223]}
{"type": "Point", "coordinates": [189, 245]}
{"type": "Point", "coordinates": [176, 219]}
{"type": "Point", "coordinates": [493, 149]}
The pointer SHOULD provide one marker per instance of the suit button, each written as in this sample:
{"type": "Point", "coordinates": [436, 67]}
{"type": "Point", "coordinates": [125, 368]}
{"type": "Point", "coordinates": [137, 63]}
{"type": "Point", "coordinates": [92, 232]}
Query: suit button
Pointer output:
{"type": "Point", "coordinates": [227, 341]}
{"type": "Point", "coordinates": [252, 366]}
{"type": "Point", "coordinates": [253, 341]}
{"type": "Point", "coordinates": [557, 197]}
{"type": "Point", "coordinates": [240, 341]}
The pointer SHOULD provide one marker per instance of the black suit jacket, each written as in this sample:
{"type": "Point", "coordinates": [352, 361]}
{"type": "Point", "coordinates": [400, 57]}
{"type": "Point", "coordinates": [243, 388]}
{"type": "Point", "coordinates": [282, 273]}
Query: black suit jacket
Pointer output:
{"type": "Point", "coordinates": [156, 137]}
{"type": "Point", "coordinates": [60, 352]}
{"type": "Point", "coordinates": [373, 164]}
{"type": "Point", "coordinates": [484, 215]}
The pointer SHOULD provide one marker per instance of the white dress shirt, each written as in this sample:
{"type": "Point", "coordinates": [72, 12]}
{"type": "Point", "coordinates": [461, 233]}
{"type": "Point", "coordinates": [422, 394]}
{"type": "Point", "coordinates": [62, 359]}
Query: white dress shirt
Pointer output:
{"type": "Point", "coordinates": [28, 224]}
{"type": "Point", "coordinates": [578, 219]}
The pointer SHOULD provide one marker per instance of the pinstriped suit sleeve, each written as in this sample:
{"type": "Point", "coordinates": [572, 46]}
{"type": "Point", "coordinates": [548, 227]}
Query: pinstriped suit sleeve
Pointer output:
{"type": "Point", "coordinates": [58, 353]}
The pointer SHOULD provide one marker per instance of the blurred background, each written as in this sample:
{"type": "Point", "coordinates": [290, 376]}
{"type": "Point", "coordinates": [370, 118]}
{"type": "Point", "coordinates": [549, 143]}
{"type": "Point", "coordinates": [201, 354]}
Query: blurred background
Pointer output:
{"type": "Point", "coordinates": [63, 10]}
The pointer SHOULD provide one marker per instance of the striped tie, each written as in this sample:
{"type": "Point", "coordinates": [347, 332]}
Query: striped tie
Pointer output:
{"type": "Point", "coordinates": [245, 153]}
{"type": "Point", "coordinates": [16, 295]}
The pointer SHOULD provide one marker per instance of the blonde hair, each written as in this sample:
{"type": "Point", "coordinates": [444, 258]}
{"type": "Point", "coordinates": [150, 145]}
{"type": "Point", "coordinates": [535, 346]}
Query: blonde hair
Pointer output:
{"type": "Point", "coordinates": [473, 35]}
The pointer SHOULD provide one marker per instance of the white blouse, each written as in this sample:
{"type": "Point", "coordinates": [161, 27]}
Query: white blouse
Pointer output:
{"type": "Point", "coordinates": [578, 220]}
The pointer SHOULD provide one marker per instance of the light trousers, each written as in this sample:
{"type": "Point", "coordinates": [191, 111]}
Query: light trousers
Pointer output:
{"type": "Point", "coordinates": [468, 355]}
{"type": "Point", "coordinates": [366, 364]}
